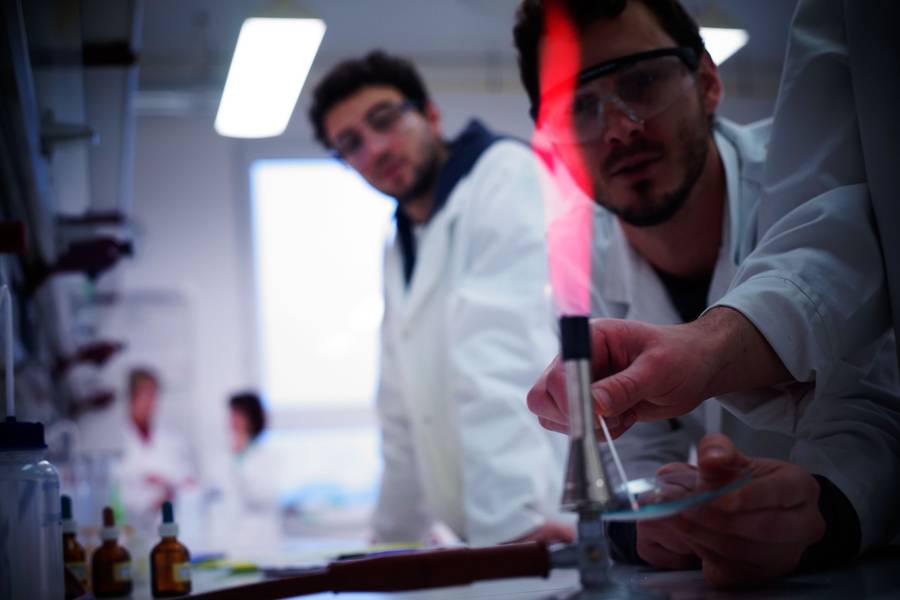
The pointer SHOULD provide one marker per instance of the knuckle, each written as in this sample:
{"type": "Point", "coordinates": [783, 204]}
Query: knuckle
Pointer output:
{"type": "Point", "coordinates": [555, 380]}
{"type": "Point", "coordinates": [535, 399]}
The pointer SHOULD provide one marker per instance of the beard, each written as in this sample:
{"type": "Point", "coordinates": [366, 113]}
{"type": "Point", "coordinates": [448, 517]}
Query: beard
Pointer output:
{"type": "Point", "coordinates": [425, 176]}
{"type": "Point", "coordinates": [654, 208]}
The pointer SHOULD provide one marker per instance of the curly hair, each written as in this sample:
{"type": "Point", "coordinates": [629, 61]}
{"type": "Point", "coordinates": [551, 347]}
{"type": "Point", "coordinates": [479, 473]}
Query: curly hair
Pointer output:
{"type": "Point", "coordinates": [350, 76]}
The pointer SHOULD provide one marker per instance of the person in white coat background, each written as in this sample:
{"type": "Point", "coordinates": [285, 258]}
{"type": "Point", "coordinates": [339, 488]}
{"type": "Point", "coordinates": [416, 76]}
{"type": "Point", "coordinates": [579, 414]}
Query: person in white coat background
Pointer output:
{"type": "Point", "coordinates": [258, 473]}
{"type": "Point", "coordinates": [467, 323]}
{"type": "Point", "coordinates": [679, 190]}
{"type": "Point", "coordinates": [156, 462]}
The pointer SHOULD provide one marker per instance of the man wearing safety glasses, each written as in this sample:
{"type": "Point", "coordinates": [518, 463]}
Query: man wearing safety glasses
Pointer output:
{"type": "Point", "coordinates": [467, 323]}
{"type": "Point", "coordinates": [627, 95]}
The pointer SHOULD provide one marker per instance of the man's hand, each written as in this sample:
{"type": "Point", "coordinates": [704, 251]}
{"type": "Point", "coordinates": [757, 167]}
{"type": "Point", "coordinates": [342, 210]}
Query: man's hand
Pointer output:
{"type": "Point", "coordinates": [640, 372]}
{"type": "Point", "coordinates": [550, 532]}
{"type": "Point", "coordinates": [753, 534]}
{"type": "Point", "coordinates": [645, 372]}
{"type": "Point", "coordinates": [660, 541]}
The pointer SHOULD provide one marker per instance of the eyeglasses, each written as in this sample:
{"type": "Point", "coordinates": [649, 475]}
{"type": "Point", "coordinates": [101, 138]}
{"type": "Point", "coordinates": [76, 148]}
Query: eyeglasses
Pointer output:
{"type": "Point", "coordinates": [381, 118]}
{"type": "Point", "coordinates": [640, 85]}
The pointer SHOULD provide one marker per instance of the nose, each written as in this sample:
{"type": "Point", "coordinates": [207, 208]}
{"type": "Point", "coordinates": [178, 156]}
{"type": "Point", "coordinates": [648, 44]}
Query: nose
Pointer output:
{"type": "Point", "coordinates": [619, 122]}
{"type": "Point", "coordinates": [374, 144]}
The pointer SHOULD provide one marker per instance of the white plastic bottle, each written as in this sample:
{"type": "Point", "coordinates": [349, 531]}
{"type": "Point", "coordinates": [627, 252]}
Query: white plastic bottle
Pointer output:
{"type": "Point", "coordinates": [31, 561]}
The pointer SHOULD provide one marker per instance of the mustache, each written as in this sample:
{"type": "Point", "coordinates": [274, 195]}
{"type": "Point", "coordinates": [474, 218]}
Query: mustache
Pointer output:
{"type": "Point", "coordinates": [383, 159]}
{"type": "Point", "coordinates": [620, 153]}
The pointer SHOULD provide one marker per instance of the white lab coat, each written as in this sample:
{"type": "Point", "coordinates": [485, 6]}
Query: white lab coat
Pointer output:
{"type": "Point", "coordinates": [165, 455]}
{"type": "Point", "coordinates": [258, 479]}
{"type": "Point", "coordinates": [847, 429]}
{"type": "Point", "coordinates": [828, 263]}
{"type": "Point", "coordinates": [461, 347]}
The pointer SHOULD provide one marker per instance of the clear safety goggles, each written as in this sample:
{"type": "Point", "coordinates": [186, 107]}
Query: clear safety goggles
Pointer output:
{"type": "Point", "coordinates": [381, 119]}
{"type": "Point", "coordinates": [640, 86]}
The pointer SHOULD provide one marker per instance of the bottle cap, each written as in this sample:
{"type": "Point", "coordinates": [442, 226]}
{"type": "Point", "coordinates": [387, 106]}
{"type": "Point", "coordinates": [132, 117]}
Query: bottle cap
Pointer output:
{"type": "Point", "coordinates": [21, 435]}
{"type": "Point", "coordinates": [68, 524]}
{"type": "Point", "coordinates": [109, 531]}
{"type": "Point", "coordinates": [168, 527]}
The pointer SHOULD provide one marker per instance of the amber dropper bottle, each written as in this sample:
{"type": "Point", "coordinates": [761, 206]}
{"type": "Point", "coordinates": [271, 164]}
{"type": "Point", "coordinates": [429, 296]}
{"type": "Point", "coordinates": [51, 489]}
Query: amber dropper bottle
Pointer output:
{"type": "Point", "coordinates": [74, 555]}
{"type": "Point", "coordinates": [170, 561]}
{"type": "Point", "coordinates": [111, 563]}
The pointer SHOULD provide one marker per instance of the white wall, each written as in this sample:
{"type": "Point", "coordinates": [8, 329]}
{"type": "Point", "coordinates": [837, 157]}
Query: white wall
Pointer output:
{"type": "Point", "coordinates": [190, 232]}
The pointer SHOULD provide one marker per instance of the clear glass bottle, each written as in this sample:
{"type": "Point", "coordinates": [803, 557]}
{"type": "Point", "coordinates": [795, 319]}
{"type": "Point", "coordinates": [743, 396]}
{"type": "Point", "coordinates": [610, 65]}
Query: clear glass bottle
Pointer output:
{"type": "Point", "coordinates": [170, 561]}
{"type": "Point", "coordinates": [31, 563]}
{"type": "Point", "coordinates": [111, 563]}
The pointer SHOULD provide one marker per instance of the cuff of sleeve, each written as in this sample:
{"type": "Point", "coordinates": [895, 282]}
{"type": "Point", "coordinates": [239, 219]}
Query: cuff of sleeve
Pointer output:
{"type": "Point", "coordinates": [787, 315]}
{"type": "Point", "coordinates": [622, 538]}
{"type": "Point", "coordinates": [842, 538]}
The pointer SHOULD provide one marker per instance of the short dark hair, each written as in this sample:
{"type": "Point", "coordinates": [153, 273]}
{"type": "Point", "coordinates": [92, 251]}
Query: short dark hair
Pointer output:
{"type": "Point", "coordinates": [350, 76]}
{"type": "Point", "coordinates": [138, 374]}
{"type": "Point", "coordinates": [529, 29]}
{"type": "Point", "coordinates": [249, 405]}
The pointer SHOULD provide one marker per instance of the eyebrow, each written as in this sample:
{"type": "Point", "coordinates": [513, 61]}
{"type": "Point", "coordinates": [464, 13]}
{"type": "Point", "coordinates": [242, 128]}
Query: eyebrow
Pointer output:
{"type": "Point", "coordinates": [349, 131]}
{"type": "Point", "coordinates": [378, 106]}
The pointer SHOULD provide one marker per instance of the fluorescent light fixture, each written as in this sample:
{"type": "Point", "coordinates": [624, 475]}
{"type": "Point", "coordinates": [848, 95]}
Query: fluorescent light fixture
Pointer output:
{"type": "Point", "coordinates": [270, 64]}
{"type": "Point", "coordinates": [721, 43]}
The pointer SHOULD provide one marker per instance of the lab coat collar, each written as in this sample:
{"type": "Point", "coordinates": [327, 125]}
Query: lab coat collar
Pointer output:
{"type": "Point", "coordinates": [742, 149]}
{"type": "Point", "coordinates": [630, 289]}
{"type": "Point", "coordinates": [435, 239]}
{"type": "Point", "coordinates": [628, 285]}
{"type": "Point", "coordinates": [464, 152]}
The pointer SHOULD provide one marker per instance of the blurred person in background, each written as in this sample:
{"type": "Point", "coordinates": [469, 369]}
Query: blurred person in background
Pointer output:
{"type": "Point", "coordinates": [248, 422]}
{"type": "Point", "coordinates": [156, 462]}
{"type": "Point", "coordinates": [258, 484]}
{"type": "Point", "coordinates": [467, 322]}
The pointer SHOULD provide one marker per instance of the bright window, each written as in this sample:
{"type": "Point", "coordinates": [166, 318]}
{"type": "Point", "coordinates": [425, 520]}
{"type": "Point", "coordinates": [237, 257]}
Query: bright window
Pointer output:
{"type": "Point", "coordinates": [319, 234]}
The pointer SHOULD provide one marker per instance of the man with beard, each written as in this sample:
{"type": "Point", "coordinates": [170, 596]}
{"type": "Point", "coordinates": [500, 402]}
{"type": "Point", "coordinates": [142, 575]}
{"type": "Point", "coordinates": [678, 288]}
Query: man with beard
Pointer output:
{"type": "Point", "coordinates": [467, 325]}
{"type": "Point", "coordinates": [627, 94]}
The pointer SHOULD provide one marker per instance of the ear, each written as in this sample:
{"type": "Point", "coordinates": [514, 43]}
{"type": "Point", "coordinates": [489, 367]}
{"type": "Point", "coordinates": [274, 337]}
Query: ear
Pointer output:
{"type": "Point", "coordinates": [710, 85]}
{"type": "Point", "coordinates": [433, 117]}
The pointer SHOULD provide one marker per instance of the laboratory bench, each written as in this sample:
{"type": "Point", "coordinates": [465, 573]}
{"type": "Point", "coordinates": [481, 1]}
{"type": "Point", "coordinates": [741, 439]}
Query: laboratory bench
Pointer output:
{"type": "Point", "coordinates": [876, 576]}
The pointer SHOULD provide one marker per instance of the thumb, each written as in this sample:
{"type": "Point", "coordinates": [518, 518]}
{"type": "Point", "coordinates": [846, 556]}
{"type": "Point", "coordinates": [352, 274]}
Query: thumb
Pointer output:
{"type": "Point", "coordinates": [719, 461]}
{"type": "Point", "coordinates": [617, 393]}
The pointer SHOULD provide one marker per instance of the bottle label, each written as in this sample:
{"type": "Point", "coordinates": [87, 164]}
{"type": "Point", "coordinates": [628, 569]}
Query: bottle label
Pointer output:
{"type": "Point", "coordinates": [122, 571]}
{"type": "Point", "coordinates": [181, 572]}
{"type": "Point", "coordinates": [79, 570]}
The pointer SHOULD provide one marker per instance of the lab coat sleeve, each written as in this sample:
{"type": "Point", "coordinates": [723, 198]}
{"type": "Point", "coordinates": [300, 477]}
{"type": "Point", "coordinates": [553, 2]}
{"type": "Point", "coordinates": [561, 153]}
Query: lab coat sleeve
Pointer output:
{"type": "Point", "coordinates": [815, 283]}
{"type": "Point", "coordinates": [850, 434]}
{"type": "Point", "coordinates": [814, 287]}
{"type": "Point", "coordinates": [260, 480]}
{"type": "Point", "coordinates": [501, 337]}
{"type": "Point", "coordinates": [400, 515]}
